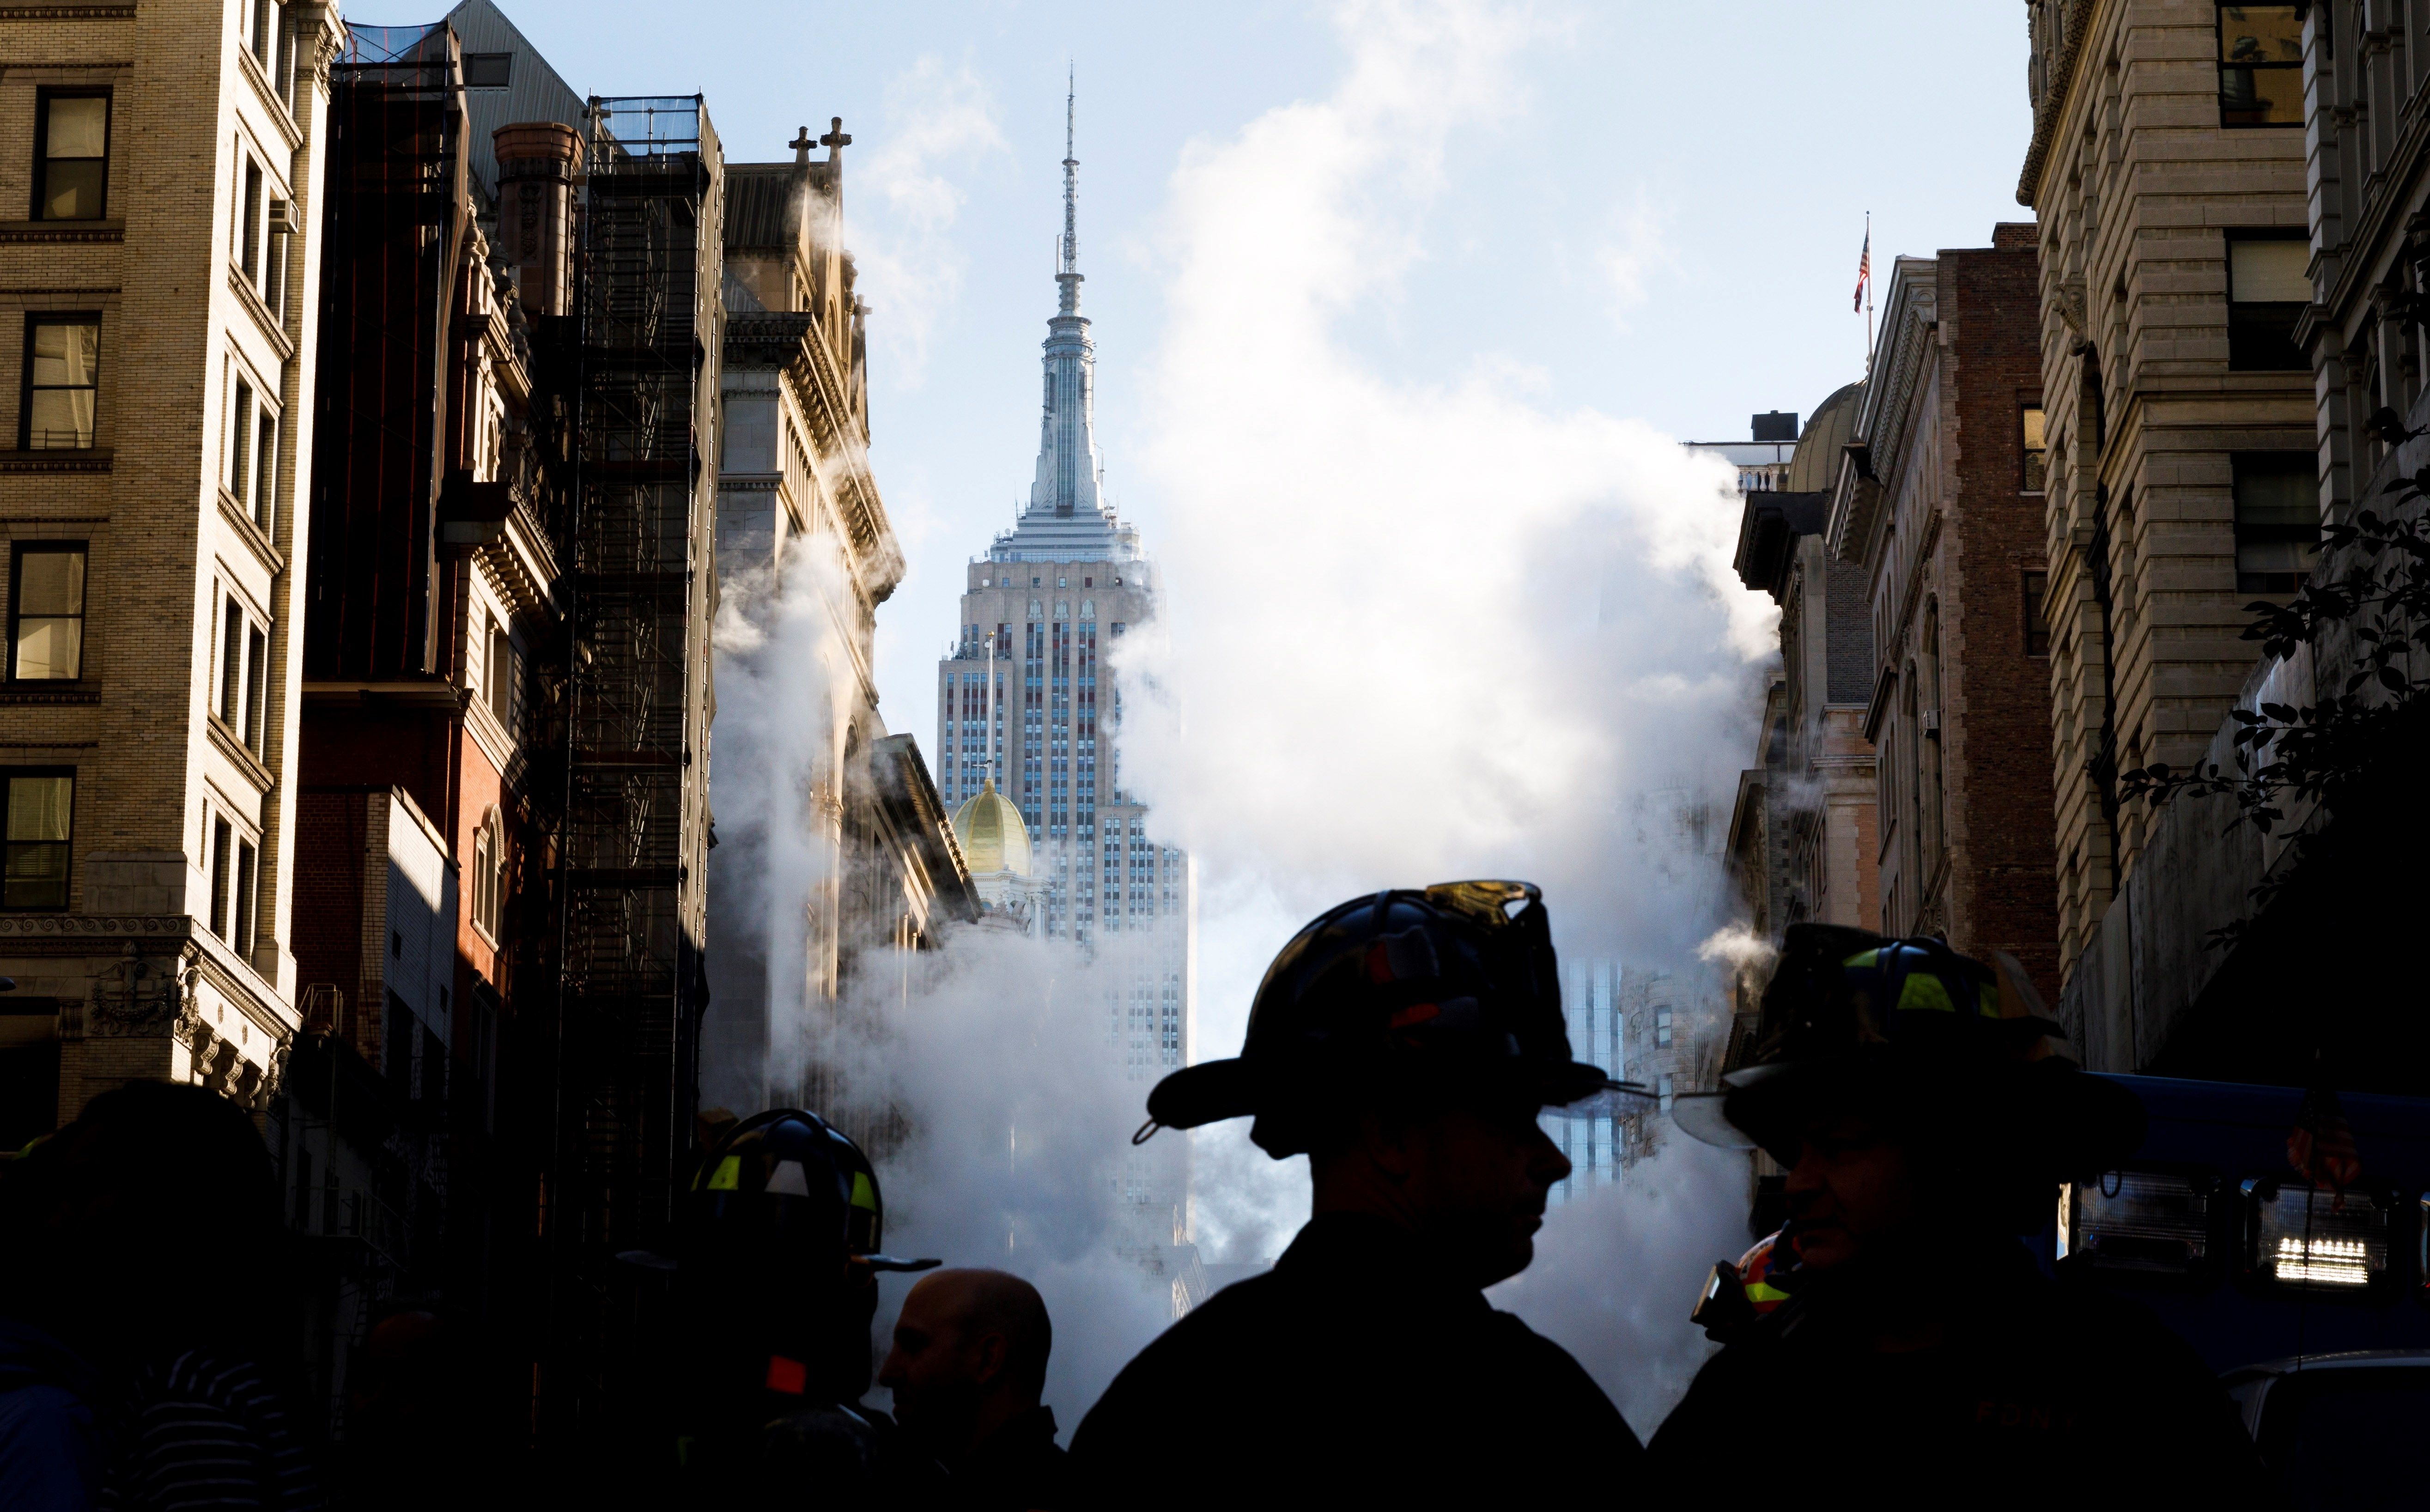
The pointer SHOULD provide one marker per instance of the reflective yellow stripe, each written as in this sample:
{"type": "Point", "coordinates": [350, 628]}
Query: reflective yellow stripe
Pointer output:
{"type": "Point", "coordinates": [1765, 1291]}
{"type": "Point", "coordinates": [863, 1195]}
{"type": "Point", "coordinates": [1923, 992]}
{"type": "Point", "coordinates": [728, 1176]}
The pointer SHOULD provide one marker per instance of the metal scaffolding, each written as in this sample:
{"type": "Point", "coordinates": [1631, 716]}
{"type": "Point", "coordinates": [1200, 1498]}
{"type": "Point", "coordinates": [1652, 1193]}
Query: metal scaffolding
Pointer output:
{"type": "Point", "coordinates": [636, 825]}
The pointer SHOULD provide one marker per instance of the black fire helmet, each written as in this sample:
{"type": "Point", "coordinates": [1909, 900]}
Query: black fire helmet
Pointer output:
{"type": "Point", "coordinates": [777, 1257]}
{"type": "Point", "coordinates": [1447, 988]}
{"type": "Point", "coordinates": [1849, 1012]}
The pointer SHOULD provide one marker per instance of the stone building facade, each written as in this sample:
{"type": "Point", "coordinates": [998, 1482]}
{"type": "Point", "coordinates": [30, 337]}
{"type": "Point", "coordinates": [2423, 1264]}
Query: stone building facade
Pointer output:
{"type": "Point", "coordinates": [2166, 170]}
{"type": "Point", "coordinates": [805, 555]}
{"type": "Point", "coordinates": [1939, 502]}
{"type": "Point", "coordinates": [1802, 842]}
{"type": "Point", "coordinates": [2310, 988]}
{"type": "Point", "coordinates": [161, 276]}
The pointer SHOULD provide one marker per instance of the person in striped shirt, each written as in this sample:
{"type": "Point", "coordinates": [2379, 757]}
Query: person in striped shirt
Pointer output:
{"type": "Point", "coordinates": [161, 1247]}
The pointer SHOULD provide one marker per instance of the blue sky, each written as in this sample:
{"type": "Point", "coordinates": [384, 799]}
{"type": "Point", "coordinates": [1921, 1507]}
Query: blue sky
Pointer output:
{"type": "Point", "coordinates": [1659, 220]}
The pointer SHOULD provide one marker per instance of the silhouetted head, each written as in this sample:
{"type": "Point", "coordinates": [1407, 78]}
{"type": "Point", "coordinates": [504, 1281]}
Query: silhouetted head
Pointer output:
{"type": "Point", "coordinates": [969, 1356]}
{"type": "Point", "coordinates": [159, 1194]}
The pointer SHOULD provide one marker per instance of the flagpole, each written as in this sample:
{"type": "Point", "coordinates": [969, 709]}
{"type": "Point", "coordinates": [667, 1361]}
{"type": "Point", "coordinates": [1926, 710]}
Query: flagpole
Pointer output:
{"type": "Point", "coordinates": [1868, 291]}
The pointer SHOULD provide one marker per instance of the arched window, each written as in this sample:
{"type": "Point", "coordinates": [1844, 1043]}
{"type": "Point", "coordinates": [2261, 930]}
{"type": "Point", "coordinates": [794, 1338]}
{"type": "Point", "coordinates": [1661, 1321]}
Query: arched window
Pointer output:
{"type": "Point", "coordinates": [489, 874]}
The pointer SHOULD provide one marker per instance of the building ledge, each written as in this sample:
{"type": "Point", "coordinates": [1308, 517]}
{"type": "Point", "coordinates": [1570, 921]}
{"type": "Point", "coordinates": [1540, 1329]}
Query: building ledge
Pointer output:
{"type": "Point", "coordinates": [434, 693]}
{"type": "Point", "coordinates": [90, 460]}
{"type": "Point", "coordinates": [17, 693]}
{"type": "Point", "coordinates": [20, 233]}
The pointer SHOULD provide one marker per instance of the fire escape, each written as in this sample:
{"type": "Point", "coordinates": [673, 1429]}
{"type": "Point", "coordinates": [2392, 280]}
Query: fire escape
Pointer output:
{"type": "Point", "coordinates": [633, 899]}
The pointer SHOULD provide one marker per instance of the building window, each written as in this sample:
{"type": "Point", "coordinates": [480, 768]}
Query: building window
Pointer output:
{"type": "Point", "coordinates": [249, 237]}
{"type": "Point", "coordinates": [62, 381]}
{"type": "Point", "coordinates": [247, 862]}
{"type": "Point", "coordinates": [2035, 447]}
{"type": "Point", "coordinates": [2261, 65]}
{"type": "Point", "coordinates": [1663, 1090]}
{"type": "Point", "coordinates": [223, 862]}
{"type": "Point", "coordinates": [244, 676]}
{"type": "Point", "coordinates": [240, 442]}
{"type": "Point", "coordinates": [2277, 520]}
{"type": "Point", "coordinates": [265, 468]}
{"type": "Point", "coordinates": [71, 155]}
{"type": "Point", "coordinates": [274, 259]}
{"type": "Point", "coordinates": [2036, 586]}
{"type": "Point", "coordinates": [46, 611]}
{"type": "Point", "coordinates": [257, 659]}
{"type": "Point", "coordinates": [1662, 1026]}
{"type": "Point", "coordinates": [282, 74]}
{"type": "Point", "coordinates": [489, 875]}
{"type": "Point", "coordinates": [498, 676]}
{"type": "Point", "coordinates": [257, 27]}
{"type": "Point", "coordinates": [2268, 288]}
{"type": "Point", "coordinates": [40, 807]}
{"type": "Point", "coordinates": [488, 70]}
{"type": "Point", "coordinates": [231, 663]}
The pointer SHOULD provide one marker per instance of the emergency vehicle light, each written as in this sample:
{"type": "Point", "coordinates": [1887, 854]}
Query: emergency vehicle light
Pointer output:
{"type": "Point", "coordinates": [2309, 1238]}
{"type": "Point", "coordinates": [2153, 1221]}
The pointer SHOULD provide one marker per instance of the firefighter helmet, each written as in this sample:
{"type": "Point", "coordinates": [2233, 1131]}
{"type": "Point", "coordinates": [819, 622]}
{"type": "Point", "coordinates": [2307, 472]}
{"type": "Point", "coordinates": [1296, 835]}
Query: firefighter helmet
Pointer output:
{"type": "Point", "coordinates": [1452, 986]}
{"type": "Point", "coordinates": [1848, 1010]}
{"type": "Point", "coordinates": [779, 1255]}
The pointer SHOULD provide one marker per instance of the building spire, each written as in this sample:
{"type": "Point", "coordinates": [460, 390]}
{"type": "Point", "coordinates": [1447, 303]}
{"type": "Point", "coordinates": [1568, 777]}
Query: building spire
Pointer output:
{"type": "Point", "coordinates": [1068, 465]}
{"type": "Point", "coordinates": [1067, 273]}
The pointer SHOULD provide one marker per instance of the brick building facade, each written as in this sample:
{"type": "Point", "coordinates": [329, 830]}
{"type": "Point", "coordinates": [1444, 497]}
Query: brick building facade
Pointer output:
{"type": "Point", "coordinates": [1938, 502]}
{"type": "Point", "coordinates": [161, 276]}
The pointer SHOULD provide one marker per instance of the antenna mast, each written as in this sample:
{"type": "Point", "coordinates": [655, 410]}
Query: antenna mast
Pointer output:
{"type": "Point", "coordinates": [1070, 182]}
{"type": "Point", "coordinates": [1067, 274]}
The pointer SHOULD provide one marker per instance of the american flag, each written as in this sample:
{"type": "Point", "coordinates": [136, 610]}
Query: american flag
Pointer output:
{"type": "Point", "coordinates": [1865, 268]}
{"type": "Point", "coordinates": [2321, 1145]}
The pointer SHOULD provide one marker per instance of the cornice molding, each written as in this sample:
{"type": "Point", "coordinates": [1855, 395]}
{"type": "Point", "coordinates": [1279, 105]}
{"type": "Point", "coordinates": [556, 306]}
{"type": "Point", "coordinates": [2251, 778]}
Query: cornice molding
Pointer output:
{"type": "Point", "coordinates": [2075, 19]}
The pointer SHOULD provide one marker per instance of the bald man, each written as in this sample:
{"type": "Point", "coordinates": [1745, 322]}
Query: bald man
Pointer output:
{"type": "Point", "coordinates": [967, 1368]}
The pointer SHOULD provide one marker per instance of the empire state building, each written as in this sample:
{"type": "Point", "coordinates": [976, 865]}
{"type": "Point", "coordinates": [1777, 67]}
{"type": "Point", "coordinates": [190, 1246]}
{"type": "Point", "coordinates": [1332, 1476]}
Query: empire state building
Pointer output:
{"type": "Point", "coordinates": [1029, 715]}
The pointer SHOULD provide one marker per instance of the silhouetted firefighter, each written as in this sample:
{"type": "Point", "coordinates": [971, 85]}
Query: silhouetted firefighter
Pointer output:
{"type": "Point", "coordinates": [1405, 1041]}
{"type": "Point", "coordinates": [775, 1276]}
{"type": "Point", "coordinates": [1921, 1357]}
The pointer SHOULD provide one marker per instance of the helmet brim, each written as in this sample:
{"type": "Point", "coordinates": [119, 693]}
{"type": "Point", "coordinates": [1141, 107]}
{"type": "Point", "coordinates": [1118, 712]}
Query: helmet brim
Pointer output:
{"type": "Point", "coordinates": [2060, 1118]}
{"type": "Point", "coordinates": [1214, 1090]}
{"type": "Point", "coordinates": [1208, 1092]}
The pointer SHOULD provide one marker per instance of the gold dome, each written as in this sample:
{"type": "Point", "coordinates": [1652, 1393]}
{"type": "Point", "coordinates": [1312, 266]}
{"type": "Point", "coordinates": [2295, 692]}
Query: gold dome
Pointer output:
{"type": "Point", "coordinates": [990, 831]}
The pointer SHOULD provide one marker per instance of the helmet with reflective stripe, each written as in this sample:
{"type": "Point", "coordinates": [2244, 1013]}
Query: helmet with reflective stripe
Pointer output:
{"type": "Point", "coordinates": [1943, 1036]}
{"type": "Point", "coordinates": [778, 1258]}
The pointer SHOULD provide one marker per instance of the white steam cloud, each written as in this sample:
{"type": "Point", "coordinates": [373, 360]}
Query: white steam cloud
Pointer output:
{"type": "Point", "coordinates": [1017, 1120]}
{"type": "Point", "coordinates": [783, 679]}
{"type": "Point", "coordinates": [1421, 626]}
{"type": "Point", "coordinates": [1425, 626]}
{"type": "Point", "coordinates": [940, 122]}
